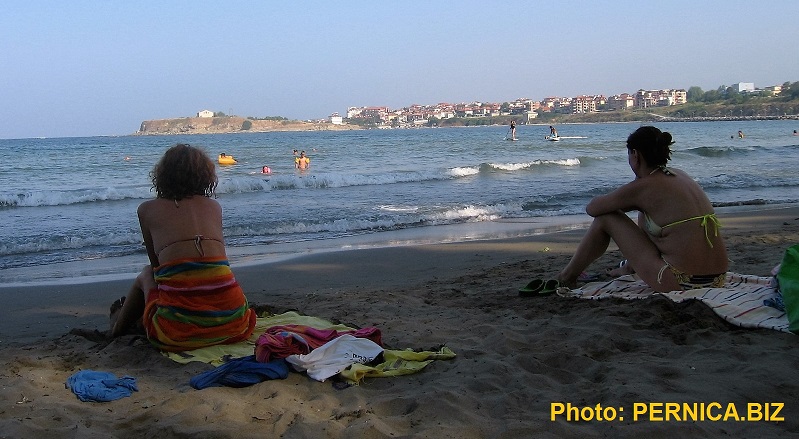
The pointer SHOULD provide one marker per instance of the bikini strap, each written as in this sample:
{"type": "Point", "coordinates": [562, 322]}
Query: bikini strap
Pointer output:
{"type": "Point", "coordinates": [707, 219]}
{"type": "Point", "coordinates": [663, 168]}
{"type": "Point", "coordinates": [198, 244]}
{"type": "Point", "coordinates": [716, 224]}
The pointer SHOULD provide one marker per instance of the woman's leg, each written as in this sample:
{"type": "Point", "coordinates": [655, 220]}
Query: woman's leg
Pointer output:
{"type": "Point", "coordinates": [133, 306]}
{"type": "Point", "coordinates": [642, 254]}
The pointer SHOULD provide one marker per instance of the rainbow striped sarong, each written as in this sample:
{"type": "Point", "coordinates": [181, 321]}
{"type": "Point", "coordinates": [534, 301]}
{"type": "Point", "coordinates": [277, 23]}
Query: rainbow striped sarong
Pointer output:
{"type": "Point", "coordinates": [197, 303]}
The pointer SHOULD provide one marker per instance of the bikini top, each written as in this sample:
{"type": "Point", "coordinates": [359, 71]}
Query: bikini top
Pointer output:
{"type": "Point", "coordinates": [198, 243]}
{"type": "Point", "coordinates": [707, 220]}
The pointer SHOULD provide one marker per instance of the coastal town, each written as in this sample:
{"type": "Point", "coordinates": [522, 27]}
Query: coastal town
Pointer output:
{"type": "Point", "coordinates": [740, 101]}
{"type": "Point", "coordinates": [528, 110]}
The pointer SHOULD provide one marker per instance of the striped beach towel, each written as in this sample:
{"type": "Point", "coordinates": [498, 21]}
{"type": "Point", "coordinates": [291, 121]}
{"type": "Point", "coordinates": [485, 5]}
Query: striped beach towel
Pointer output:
{"type": "Point", "coordinates": [197, 303]}
{"type": "Point", "coordinates": [741, 301]}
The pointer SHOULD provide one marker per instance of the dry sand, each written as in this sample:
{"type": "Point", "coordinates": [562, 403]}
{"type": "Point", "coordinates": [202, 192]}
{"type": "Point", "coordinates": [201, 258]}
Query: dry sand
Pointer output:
{"type": "Point", "coordinates": [516, 356]}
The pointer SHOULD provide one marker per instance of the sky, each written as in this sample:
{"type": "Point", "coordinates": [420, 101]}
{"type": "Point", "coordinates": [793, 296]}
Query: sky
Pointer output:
{"type": "Point", "coordinates": [88, 68]}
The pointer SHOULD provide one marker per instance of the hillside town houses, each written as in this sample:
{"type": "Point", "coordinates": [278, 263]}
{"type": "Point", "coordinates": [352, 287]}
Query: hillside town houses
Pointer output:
{"type": "Point", "coordinates": [528, 108]}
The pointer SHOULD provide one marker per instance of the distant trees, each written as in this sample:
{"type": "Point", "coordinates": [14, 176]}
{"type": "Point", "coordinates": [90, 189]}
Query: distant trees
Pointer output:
{"type": "Point", "coordinates": [790, 91]}
{"type": "Point", "coordinates": [694, 94]}
{"type": "Point", "coordinates": [729, 95]}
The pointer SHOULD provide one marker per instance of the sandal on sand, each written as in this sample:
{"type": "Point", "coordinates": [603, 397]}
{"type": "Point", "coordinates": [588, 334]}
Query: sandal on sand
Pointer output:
{"type": "Point", "coordinates": [550, 287]}
{"type": "Point", "coordinates": [533, 288]}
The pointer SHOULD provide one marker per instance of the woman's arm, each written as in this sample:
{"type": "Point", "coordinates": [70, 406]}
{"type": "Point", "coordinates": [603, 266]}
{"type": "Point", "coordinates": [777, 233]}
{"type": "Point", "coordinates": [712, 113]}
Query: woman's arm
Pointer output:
{"type": "Point", "coordinates": [147, 236]}
{"type": "Point", "coordinates": [624, 198]}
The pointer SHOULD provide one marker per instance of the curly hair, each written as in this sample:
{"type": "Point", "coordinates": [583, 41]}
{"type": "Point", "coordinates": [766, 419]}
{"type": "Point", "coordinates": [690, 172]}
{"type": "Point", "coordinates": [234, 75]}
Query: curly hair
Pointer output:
{"type": "Point", "coordinates": [652, 144]}
{"type": "Point", "coordinates": [182, 172]}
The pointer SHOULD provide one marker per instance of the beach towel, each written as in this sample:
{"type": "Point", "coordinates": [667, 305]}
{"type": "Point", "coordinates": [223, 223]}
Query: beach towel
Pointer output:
{"type": "Point", "coordinates": [241, 372]}
{"type": "Point", "coordinates": [218, 354]}
{"type": "Point", "coordinates": [740, 301]}
{"type": "Point", "coordinates": [94, 386]}
{"type": "Point", "coordinates": [197, 303]}
{"type": "Point", "coordinates": [334, 356]}
{"type": "Point", "coordinates": [283, 340]}
{"type": "Point", "coordinates": [395, 363]}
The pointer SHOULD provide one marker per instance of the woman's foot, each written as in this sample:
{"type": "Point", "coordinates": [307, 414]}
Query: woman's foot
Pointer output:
{"type": "Point", "coordinates": [623, 269]}
{"type": "Point", "coordinates": [116, 308]}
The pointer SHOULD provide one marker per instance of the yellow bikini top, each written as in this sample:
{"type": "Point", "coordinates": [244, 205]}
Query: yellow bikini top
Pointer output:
{"type": "Point", "coordinates": [707, 219]}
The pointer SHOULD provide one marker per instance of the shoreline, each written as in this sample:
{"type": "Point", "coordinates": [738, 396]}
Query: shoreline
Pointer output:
{"type": "Point", "coordinates": [84, 302]}
{"type": "Point", "coordinates": [516, 356]}
{"type": "Point", "coordinates": [127, 267]}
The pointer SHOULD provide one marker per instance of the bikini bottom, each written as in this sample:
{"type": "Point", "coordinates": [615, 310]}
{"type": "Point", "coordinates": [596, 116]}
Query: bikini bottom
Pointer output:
{"type": "Point", "coordinates": [693, 281]}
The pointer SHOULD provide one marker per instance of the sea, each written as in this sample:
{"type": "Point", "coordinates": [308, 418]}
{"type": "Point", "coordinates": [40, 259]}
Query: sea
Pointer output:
{"type": "Point", "coordinates": [68, 205]}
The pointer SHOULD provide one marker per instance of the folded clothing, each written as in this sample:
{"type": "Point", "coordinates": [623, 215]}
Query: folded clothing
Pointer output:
{"type": "Point", "coordinates": [284, 340]}
{"type": "Point", "coordinates": [95, 386]}
{"type": "Point", "coordinates": [335, 356]}
{"type": "Point", "coordinates": [197, 303]}
{"type": "Point", "coordinates": [241, 372]}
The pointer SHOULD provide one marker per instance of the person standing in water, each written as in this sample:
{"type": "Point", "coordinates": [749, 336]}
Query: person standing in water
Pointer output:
{"type": "Point", "coordinates": [513, 130]}
{"type": "Point", "coordinates": [552, 131]}
{"type": "Point", "coordinates": [302, 162]}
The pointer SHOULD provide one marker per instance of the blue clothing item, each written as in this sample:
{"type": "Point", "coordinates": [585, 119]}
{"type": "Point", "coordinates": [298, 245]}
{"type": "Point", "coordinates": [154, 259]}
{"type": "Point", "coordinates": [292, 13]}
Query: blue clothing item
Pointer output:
{"type": "Point", "coordinates": [93, 386]}
{"type": "Point", "coordinates": [241, 372]}
{"type": "Point", "coordinates": [776, 302]}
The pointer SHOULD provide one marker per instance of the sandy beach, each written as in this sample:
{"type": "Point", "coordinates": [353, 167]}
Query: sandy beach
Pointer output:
{"type": "Point", "coordinates": [516, 356]}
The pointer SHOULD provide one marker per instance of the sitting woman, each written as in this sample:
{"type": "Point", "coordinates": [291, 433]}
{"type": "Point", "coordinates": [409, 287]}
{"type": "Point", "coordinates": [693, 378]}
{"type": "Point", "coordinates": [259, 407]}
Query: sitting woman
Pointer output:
{"type": "Point", "coordinates": [676, 244]}
{"type": "Point", "coordinates": [187, 297]}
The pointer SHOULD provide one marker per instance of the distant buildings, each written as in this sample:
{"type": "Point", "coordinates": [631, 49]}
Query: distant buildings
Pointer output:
{"type": "Point", "coordinates": [744, 87]}
{"type": "Point", "coordinates": [417, 115]}
{"type": "Point", "coordinates": [530, 109]}
{"type": "Point", "coordinates": [659, 98]}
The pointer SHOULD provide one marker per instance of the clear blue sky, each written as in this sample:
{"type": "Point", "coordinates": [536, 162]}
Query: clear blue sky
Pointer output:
{"type": "Point", "coordinates": [84, 68]}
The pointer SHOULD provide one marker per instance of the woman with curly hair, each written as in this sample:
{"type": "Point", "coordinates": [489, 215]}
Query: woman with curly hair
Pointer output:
{"type": "Point", "coordinates": [187, 297]}
{"type": "Point", "coordinates": [676, 244]}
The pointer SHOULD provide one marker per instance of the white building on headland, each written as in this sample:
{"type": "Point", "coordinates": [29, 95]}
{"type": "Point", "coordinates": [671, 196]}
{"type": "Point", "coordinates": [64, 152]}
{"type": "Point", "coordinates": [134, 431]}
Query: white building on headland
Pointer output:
{"type": "Point", "coordinates": [744, 87]}
{"type": "Point", "coordinates": [205, 113]}
{"type": "Point", "coordinates": [335, 119]}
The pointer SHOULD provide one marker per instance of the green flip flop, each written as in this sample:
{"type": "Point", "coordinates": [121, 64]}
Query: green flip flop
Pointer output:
{"type": "Point", "coordinates": [550, 287]}
{"type": "Point", "coordinates": [532, 289]}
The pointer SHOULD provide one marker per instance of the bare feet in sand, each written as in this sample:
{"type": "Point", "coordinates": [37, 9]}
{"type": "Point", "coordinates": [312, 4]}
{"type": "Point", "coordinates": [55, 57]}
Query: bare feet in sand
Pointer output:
{"type": "Point", "coordinates": [116, 308]}
{"type": "Point", "coordinates": [623, 269]}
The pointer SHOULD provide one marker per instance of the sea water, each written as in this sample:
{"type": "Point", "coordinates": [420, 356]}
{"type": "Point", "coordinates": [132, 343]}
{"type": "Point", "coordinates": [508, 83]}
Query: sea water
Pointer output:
{"type": "Point", "coordinates": [68, 205]}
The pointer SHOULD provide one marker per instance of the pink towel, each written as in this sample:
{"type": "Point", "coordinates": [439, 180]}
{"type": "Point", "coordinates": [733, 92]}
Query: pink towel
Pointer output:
{"type": "Point", "coordinates": [284, 340]}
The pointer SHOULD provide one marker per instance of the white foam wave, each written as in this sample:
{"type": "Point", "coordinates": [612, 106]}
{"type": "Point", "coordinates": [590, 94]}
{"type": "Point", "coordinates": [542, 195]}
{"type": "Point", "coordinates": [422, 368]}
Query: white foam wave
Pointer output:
{"type": "Point", "coordinates": [394, 208]}
{"type": "Point", "coordinates": [251, 183]}
{"type": "Point", "coordinates": [60, 198]}
{"type": "Point", "coordinates": [526, 165]}
{"type": "Point", "coordinates": [464, 171]}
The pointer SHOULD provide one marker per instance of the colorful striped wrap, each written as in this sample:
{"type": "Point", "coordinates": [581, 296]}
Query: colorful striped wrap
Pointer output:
{"type": "Point", "coordinates": [197, 303]}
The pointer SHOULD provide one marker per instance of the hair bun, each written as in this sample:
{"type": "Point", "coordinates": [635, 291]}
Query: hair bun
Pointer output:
{"type": "Point", "coordinates": [664, 139]}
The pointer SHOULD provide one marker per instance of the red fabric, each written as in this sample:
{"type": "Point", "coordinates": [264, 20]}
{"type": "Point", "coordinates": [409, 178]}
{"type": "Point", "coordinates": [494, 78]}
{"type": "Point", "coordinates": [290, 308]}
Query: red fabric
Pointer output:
{"type": "Point", "coordinates": [284, 340]}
